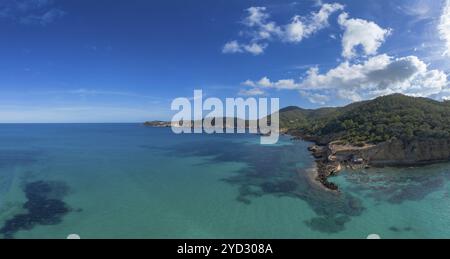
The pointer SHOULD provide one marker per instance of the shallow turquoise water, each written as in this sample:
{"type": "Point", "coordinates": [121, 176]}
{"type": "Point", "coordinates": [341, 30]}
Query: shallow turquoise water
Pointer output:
{"type": "Point", "coordinates": [129, 181]}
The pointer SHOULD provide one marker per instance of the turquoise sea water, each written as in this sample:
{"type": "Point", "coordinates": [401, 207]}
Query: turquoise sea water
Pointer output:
{"type": "Point", "coordinates": [130, 181]}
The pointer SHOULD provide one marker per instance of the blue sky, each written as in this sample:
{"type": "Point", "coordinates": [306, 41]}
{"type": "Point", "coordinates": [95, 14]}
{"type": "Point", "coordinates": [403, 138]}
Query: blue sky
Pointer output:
{"type": "Point", "coordinates": [125, 61]}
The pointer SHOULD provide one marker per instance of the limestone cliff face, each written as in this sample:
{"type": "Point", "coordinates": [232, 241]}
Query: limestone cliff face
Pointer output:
{"type": "Point", "coordinates": [411, 152]}
{"type": "Point", "coordinates": [397, 152]}
{"type": "Point", "coordinates": [336, 155]}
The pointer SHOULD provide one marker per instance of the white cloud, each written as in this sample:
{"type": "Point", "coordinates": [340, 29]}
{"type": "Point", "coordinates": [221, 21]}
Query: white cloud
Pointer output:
{"type": "Point", "coordinates": [254, 48]}
{"type": "Point", "coordinates": [444, 26]}
{"type": "Point", "coordinates": [249, 83]}
{"type": "Point", "coordinates": [444, 95]}
{"type": "Point", "coordinates": [251, 92]}
{"type": "Point", "coordinates": [368, 76]}
{"type": "Point", "coordinates": [256, 88]}
{"type": "Point", "coordinates": [348, 95]}
{"type": "Point", "coordinates": [286, 84]}
{"type": "Point", "coordinates": [315, 97]}
{"type": "Point", "coordinates": [358, 32]}
{"type": "Point", "coordinates": [256, 16]}
{"type": "Point", "coordinates": [378, 75]}
{"type": "Point", "coordinates": [236, 47]}
{"type": "Point", "coordinates": [265, 82]}
{"type": "Point", "coordinates": [232, 47]}
{"type": "Point", "coordinates": [319, 20]}
{"type": "Point", "coordinates": [295, 31]}
{"type": "Point", "coordinates": [260, 29]}
{"type": "Point", "coordinates": [301, 27]}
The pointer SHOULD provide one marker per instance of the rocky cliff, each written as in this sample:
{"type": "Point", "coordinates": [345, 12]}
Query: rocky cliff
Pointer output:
{"type": "Point", "coordinates": [335, 156]}
{"type": "Point", "coordinates": [413, 152]}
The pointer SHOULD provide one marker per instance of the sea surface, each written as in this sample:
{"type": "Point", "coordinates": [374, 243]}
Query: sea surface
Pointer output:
{"type": "Point", "coordinates": [131, 181]}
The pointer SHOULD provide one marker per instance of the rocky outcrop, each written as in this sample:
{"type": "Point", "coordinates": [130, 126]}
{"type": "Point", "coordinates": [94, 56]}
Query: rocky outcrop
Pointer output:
{"type": "Point", "coordinates": [395, 152]}
{"type": "Point", "coordinates": [335, 156]}
{"type": "Point", "coordinates": [406, 153]}
{"type": "Point", "coordinates": [318, 151]}
{"type": "Point", "coordinates": [326, 169]}
{"type": "Point", "coordinates": [158, 124]}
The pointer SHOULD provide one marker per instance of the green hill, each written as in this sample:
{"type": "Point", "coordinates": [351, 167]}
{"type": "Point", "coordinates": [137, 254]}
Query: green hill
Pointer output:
{"type": "Point", "coordinates": [394, 116]}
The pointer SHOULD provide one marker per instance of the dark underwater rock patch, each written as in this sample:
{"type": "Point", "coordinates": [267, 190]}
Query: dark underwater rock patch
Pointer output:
{"type": "Point", "coordinates": [279, 187]}
{"type": "Point", "coordinates": [399, 187]}
{"type": "Point", "coordinates": [333, 224]}
{"type": "Point", "coordinates": [397, 229]}
{"type": "Point", "coordinates": [273, 171]}
{"type": "Point", "coordinates": [415, 192]}
{"type": "Point", "coordinates": [44, 206]}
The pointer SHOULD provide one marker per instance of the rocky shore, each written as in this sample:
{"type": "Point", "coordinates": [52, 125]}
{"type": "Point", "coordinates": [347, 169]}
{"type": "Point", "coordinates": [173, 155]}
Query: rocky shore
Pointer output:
{"type": "Point", "coordinates": [328, 165]}
{"type": "Point", "coordinates": [158, 124]}
{"type": "Point", "coordinates": [336, 156]}
{"type": "Point", "coordinates": [333, 156]}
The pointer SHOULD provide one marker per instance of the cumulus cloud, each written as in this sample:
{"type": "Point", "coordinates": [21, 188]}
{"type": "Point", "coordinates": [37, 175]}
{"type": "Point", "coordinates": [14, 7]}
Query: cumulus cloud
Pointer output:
{"type": "Point", "coordinates": [232, 47]}
{"type": "Point", "coordinates": [236, 47]}
{"type": "Point", "coordinates": [265, 82]}
{"type": "Point", "coordinates": [252, 92]}
{"type": "Point", "coordinates": [358, 32]}
{"type": "Point", "coordinates": [444, 26]}
{"type": "Point", "coordinates": [315, 97]}
{"type": "Point", "coordinates": [295, 31]}
{"type": "Point", "coordinates": [256, 16]}
{"type": "Point", "coordinates": [260, 29]}
{"type": "Point", "coordinates": [319, 20]}
{"type": "Point", "coordinates": [364, 74]}
{"type": "Point", "coordinates": [378, 75]}
{"type": "Point", "coordinates": [41, 12]}
{"type": "Point", "coordinates": [254, 48]}
{"type": "Point", "coordinates": [259, 87]}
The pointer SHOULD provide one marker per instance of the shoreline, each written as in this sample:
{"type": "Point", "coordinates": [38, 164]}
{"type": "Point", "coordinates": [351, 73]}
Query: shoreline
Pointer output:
{"type": "Point", "coordinates": [321, 168]}
{"type": "Point", "coordinates": [327, 164]}
{"type": "Point", "coordinates": [331, 157]}
{"type": "Point", "coordinates": [312, 175]}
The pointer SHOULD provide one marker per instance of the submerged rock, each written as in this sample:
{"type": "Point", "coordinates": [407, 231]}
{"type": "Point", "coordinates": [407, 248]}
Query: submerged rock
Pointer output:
{"type": "Point", "coordinates": [279, 187]}
{"type": "Point", "coordinates": [328, 224]}
{"type": "Point", "coordinates": [44, 207]}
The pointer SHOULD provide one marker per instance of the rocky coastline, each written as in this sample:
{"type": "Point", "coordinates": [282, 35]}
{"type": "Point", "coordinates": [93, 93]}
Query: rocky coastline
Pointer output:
{"type": "Point", "coordinates": [158, 124]}
{"type": "Point", "coordinates": [335, 156]}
